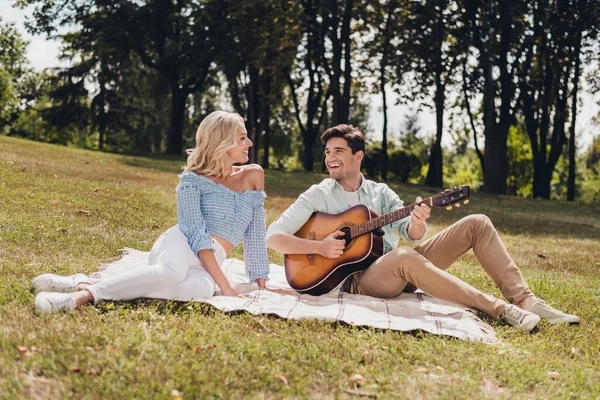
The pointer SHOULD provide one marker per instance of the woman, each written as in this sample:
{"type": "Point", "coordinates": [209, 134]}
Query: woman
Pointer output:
{"type": "Point", "coordinates": [218, 205]}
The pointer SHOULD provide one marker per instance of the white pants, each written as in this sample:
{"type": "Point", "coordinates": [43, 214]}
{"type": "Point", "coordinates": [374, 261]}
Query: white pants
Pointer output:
{"type": "Point", "coordinates": [172, 271]}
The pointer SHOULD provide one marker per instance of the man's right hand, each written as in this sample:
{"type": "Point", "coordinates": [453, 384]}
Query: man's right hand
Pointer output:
{"type": "Point", "coordinates": [333, 245]}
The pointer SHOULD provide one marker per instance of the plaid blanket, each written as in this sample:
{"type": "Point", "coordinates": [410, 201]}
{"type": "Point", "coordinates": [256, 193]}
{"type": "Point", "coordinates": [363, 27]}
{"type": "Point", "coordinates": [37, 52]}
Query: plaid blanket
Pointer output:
{"type": "Point", "coordinates": [407, 312]}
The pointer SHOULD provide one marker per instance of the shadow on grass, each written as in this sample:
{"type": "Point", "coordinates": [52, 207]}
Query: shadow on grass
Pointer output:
{"type": "Point", "coordinates": [193, 308]}
{"type": "Point", "coordinates": [163, 163]}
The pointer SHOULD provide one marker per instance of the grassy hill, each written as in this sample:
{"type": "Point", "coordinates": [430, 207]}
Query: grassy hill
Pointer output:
{"type": "Point", "coordinates": [66, 210]}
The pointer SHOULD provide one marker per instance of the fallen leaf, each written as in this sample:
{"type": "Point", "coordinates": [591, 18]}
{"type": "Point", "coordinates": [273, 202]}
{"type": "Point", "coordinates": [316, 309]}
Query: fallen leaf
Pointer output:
{"type": "Point", "coordinates": [155, 226]}
{"type": "Point", "coordinates": [553, 375]}
{"type": "Point", "coordinates": [24, 169]}
{"type": "Point", "coordinates": [24, 351]}
{"type": "Point", "coordinates": [92, 372]}
{"type": "Point", "coordinates": [76, 368]}
{"type": "Point", "coordinates": [96, 189]}
{"type": "Point", "coordinates": [62, 230]}
{"type": "Point", "coordinates": [542, 256]}
{"type": "Point", "coordinates": [82, 212]}
{"type": "Point", "coordinates": [281, 377]}
{"type": "Point", "coordinates": [198, 349]}
{"type": "Point", "coordinates": [357, 378]}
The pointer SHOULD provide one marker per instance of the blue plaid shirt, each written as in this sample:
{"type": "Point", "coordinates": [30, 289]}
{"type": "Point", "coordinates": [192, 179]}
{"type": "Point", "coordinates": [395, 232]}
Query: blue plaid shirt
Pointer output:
{"type": "Point", "coordinates": [205, 207]}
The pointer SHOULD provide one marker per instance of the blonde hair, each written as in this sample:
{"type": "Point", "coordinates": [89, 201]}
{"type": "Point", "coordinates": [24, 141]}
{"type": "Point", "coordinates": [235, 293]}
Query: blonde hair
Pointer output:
{"type": "Point", "coordinates": [216, 134]}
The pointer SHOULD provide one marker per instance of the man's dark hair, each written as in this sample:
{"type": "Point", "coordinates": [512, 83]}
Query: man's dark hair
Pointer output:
{"type": "Point", "coordinates": [354, 137]}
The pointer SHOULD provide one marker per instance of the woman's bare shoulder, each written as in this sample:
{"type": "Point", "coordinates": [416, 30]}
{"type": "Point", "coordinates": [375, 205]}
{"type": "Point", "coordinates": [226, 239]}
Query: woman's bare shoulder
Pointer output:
{"type": "Point", "coordinates": [253, 176]}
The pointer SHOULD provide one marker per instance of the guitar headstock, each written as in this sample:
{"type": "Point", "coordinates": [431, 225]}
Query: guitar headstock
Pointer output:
{"type": "Point", "coordinates": [451, 196]}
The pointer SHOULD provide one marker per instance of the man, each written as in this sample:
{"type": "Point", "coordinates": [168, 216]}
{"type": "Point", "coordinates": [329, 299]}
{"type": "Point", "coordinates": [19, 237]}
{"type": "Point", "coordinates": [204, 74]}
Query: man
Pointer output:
{"type": "Point", "coordinates": [404, 269]}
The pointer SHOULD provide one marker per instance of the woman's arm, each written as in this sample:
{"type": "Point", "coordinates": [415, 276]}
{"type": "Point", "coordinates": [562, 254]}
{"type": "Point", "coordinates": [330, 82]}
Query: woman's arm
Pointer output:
{"type": "Point", "coordinates": [208, 260]}
{"type": "Point", "coordinates": [191, 223]}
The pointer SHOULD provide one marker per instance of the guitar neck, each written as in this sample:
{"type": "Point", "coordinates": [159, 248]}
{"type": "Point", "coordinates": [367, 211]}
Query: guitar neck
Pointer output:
{"type": "Point", "coordinates": [376, 223]}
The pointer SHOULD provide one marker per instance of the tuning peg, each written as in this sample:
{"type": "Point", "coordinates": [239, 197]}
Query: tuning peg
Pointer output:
{"type": "Point", "coordinates": [449, 208]}
{"type": "Point", "coordinates": [466, 201]}
{"type": "Point", "coordinates": [457, 205]}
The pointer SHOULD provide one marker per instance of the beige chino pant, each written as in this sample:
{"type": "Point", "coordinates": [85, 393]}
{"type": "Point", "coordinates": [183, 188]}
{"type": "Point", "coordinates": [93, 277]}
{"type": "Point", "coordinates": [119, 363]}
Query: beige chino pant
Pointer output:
{"type": "Point", "coordinates": [405, 269]}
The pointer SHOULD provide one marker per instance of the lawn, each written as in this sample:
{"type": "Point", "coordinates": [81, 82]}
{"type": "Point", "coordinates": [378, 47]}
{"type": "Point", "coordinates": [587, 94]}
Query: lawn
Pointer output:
{"type": "Point", "coordinates": [66, 210]}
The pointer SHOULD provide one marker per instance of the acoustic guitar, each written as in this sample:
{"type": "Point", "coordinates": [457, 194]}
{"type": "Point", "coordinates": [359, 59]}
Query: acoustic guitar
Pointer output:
{"type": "Point", "coordinates": [317, 275]}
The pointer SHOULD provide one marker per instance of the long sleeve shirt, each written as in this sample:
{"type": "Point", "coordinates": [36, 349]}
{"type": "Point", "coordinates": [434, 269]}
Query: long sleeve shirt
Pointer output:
{"type": "Point", "coordinates": [205, 207]}
{"type": "Point", "coordinates": [330, 197]}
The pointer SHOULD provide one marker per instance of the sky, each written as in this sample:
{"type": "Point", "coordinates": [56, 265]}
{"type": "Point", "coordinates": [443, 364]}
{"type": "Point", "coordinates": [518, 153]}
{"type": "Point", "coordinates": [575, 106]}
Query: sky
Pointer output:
{"type": "Point", "coordinates": [43, 53]}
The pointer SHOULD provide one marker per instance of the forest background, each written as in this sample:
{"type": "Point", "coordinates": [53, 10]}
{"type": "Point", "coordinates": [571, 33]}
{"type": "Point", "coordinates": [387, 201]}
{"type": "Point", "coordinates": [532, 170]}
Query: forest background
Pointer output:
{"type": "Point", "coordinates": [503, 81]}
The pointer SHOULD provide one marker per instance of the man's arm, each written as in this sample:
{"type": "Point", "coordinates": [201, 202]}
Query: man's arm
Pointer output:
{"type": "Point", "coordinates": [287, 243]}
{"type": "Point", "coordinates": [280, 235]}
{"type": "Point", "coordinates": [417, 226]}
{"type": "Point", "coordinates": [413, 227]}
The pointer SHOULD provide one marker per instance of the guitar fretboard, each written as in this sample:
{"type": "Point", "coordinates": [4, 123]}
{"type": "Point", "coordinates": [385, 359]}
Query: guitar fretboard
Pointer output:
{"type": "Point", "coordinates": [386, 219]}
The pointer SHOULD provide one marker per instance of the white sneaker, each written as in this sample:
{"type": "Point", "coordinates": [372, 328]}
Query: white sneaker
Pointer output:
{"type": "Point", "coordinates": [554, 316]}
{"type": "Point", "coordinates": [48, 302]}
{"type": "Point", "coordinates": [519, 318]}
{"type": "Point", "coordinates": [57, 283]}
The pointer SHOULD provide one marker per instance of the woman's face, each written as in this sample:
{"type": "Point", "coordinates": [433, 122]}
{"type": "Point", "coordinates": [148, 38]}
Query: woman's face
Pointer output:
{"type": "Point", "coordinates": [239, 154]}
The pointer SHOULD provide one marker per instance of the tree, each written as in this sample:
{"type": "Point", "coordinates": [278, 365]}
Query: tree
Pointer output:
{"type": "Point", "coordinates": [252, 59]}
{"type": "Point", "coordinates": [434, 53]}
{"type": "Point", "coordinates": [492, 28]}
{"type": "Point", "coordinates": [13, 74]}
{"type": "Point", "coordinates": [384, 21]}
{"type": "Point", "coordinates": [552, 53]}
{"type": "Point", "coordinates": [316, 91]}
{"type": "Point", "coordinates": [178, 39]}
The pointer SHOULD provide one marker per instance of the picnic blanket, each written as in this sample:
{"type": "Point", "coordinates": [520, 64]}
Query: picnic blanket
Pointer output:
{"type": "Point", "coordinates": [407, 312]}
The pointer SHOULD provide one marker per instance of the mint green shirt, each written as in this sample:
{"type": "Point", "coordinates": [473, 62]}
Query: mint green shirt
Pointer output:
{"type": "Point", "coordinates": [329, 197]}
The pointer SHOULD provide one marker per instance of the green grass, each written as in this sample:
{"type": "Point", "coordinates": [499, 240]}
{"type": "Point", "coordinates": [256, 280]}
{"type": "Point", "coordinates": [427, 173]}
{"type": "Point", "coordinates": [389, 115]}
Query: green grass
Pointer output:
{"type": "Point", "coordinates": [65, 210]}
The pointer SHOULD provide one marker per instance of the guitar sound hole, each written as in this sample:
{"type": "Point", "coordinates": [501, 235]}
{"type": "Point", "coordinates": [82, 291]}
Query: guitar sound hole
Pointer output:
{"type": "Point", "coordinates": [347, 237]}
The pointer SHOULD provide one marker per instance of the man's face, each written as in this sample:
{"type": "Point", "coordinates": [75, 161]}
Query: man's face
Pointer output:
{"type": "Point", "coordinates": [340, 162]}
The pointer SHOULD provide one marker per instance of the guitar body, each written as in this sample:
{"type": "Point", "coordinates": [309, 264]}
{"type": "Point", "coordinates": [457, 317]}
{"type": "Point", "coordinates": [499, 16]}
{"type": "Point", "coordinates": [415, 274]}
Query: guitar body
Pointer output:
{"type": "Point", "coordinates": [317, 275]}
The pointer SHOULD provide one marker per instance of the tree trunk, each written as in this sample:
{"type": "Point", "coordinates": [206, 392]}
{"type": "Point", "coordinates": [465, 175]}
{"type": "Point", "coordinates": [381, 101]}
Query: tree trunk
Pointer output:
{"type": "Point", "coordinates": [345, 106]}
{"type": "Point", "coordinates": [266, 115]}
{"type": "Point", "coordinates": [384, 143]}
{"type": "Point", "coordinates": [435, 174]}
{"type": "Point", "coordinates": [175, 134]}
{"type": "Point", "coordinates": [308, 158]}
{"type": "Point", "coordinates": [572, 148]}
{"type": "Point", "coordinates": [102, 118]}
{"type": "Point", "coordinates": [253, 113]}
{"type": "Point", "coordinates": [496, 161]}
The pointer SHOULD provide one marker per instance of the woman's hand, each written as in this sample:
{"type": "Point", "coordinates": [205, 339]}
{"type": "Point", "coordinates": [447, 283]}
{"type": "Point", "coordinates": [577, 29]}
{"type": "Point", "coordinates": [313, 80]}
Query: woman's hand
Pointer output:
{"type": "Point", "coordinates": [229, 291]}
{"type": "Point", "coordinates": [262, 285]}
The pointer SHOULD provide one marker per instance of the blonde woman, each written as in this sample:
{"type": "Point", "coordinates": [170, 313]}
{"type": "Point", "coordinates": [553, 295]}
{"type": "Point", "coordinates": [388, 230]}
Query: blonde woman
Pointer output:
{"type": "Point", "coordinates": [218, 205]}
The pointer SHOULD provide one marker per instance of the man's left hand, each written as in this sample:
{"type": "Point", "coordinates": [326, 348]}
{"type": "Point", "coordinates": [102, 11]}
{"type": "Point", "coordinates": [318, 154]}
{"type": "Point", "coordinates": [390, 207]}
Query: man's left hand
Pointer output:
{"type": "Point", "coordinates": [420, 213]}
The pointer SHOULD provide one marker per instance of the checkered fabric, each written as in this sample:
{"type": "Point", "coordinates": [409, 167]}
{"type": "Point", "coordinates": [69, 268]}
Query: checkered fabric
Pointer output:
{"type": "Point", "coordinates": [205, 207]}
